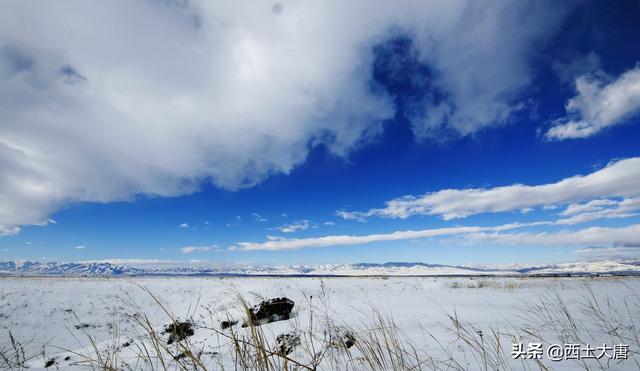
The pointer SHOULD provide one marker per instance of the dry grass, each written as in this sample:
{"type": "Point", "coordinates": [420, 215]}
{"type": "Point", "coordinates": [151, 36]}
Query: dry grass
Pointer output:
{"type": "Point", "coordinates": [490, 283]}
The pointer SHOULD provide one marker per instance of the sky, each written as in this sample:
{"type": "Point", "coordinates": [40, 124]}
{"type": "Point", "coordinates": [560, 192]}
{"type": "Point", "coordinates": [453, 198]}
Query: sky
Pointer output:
{"type": "Point", "coordinates": [452, 132]}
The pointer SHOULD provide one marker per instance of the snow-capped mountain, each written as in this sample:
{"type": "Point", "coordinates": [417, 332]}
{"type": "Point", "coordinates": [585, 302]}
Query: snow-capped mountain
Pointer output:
{"type": "Point", "coordinates": [362, 269]}
{"type": "Point", "coordinates": [54, 268]}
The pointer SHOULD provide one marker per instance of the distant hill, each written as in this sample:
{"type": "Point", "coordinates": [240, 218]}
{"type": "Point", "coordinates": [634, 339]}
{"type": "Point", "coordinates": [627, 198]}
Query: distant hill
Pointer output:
{"type": "Point", "coordinates": [360, 269]}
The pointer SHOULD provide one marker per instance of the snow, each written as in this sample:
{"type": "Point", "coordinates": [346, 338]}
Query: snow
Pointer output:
{"type": "Point", "coordinates": [44, 310]}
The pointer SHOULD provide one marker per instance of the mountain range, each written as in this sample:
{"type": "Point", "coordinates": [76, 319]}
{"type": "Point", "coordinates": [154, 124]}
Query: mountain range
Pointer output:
{"type": "Point", "coordinates": [106, 268]}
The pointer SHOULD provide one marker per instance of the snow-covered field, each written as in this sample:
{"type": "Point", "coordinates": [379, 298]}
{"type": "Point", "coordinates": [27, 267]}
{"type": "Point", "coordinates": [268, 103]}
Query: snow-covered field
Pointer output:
{"type": "Point", "coordinates": [58, 318]}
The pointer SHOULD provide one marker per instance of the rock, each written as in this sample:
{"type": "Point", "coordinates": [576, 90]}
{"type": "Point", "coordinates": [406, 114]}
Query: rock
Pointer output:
{"type": "Point", "coordinates": [226, 324]}
{"type": "Point", "coordinates": [50, 362]}
{"type": "Point", "coordinates": [286, 343]}
{"type": "Point", "coordinates": [178, 331]}
{"type": "Point", "coordinates": [348, 339]}
{"type": "Point", "coordinates": [182, 355]}
{"type": "Point", "coordinates": [268, 311]}
{"type": "Point", "coordinates": [344, 339]}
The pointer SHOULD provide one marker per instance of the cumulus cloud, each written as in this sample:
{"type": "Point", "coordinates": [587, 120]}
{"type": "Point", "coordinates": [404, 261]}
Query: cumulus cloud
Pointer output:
{"type": "Point", "coordinates": [599, 104]}
{"type": "Point", "coordinates": [104, 101]}
{"type": "Point", "coordinates": [277, 243]}
{"type": "Point", "coordinates": [183, 225]}
{"type": "Point", "coordinates": [80, 247]}
{"type": "Point", "coordinates": [617, 179]}
{"type": "Point", "coordinates": [192, 249]}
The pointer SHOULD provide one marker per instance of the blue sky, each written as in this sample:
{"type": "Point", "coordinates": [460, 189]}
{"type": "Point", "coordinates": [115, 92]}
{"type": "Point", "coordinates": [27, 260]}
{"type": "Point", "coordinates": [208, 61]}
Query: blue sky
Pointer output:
{"type": "Point", "coordinates": [237, 133]}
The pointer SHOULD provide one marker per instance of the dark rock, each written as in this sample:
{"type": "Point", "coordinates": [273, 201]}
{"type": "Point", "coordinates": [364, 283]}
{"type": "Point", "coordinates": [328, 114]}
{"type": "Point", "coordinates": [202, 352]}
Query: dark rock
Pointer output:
{"type": "Point", "coordinates": [268, 311]}
{"type": "Point", "coordinates": [182, 355]}
{"type": "Point", "coordinates": [286, 343]}
{"type": "Point", "coordinates": [50, 362]}
{"type": "Point", "coordinates": [348, 339]}
{"type": "Point", "coordinates": [67, 358]}
{"type": "Point", "coordinates": [226, 324]}
{"type": "Point", "coordinates": [82, 325]}
{"type": "Point", "coordinates": [178, 331]}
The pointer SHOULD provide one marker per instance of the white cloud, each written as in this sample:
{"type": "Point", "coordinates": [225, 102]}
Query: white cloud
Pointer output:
{"type": "Point", "coordinates": [259, 218]}
{"type": "Point", "coordinates": [600, 209]}
{"type": "Point", "coordinates": [613, 252]}
{"type": "Point", "coordinates": [617, 179]}
{"type": "Point", "coordinates": [8, 231]}
{"type": "Point", "coordinates": [183, 225]}
{"type": "Point", "coordinates": [279, 243]}
{"type": "Point", "coordinates": [80, 247]}
{"type": "Point", "coordinates": [580, 65]}
{"type": "Point", "coordinates": [599, 105]}
{"type": "Point", "coordinates": [298, 225]}
{"type": "Point", "coordinates": [353, 215]}
{"type": "Point", "coordinates": [629, 235]}
{"type": "Point", "coordinates": [192, 249]}
{"type": "Point", "coordinates": [588, 207]}
{"type": "Point", "coordinates": [163, 96]}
